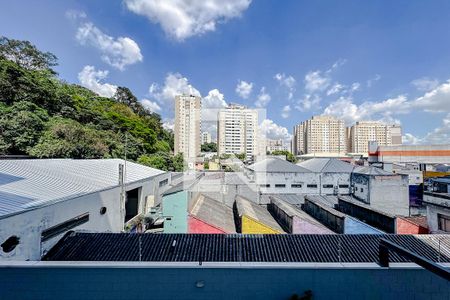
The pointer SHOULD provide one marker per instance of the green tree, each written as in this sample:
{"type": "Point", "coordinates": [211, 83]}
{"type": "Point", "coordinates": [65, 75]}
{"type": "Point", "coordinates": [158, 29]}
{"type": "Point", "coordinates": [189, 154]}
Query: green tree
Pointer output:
{"type": "Point", "coordinates": [163, 161]}
{"type": "Point", "coordinates": [26, 55]}
{"type": "Point", "coordinates": [241, 156]}
{"type": "Point", "coordinates": [289, 156]}
{"type": "Point", "coordinates": [21, 126]}
{"type": "Point", "coordinates": [209, 147]}
{"type": "Point", "coordinates": [70, 139]}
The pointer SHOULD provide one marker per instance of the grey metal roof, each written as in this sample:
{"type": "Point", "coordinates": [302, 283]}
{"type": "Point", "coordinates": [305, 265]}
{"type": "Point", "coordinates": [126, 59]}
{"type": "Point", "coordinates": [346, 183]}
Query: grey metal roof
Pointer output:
{"type": "Point", "coordinates": [214, 213]}
{"type": "Point", "coordinates": [277, 165]}
{"type": "Point", "coordinates": [326, 165]}
{"type": "Point", "coordinates": [328, 200]}
{"type": "Point", "coordinates": [295, 199]}
{"type": "Point", "coordinates": [288, 248]}
{"type": "Point", "coordinates": [256, 212]}
{"type": "Point", "coordinates": [368, 170]}
{"type": "Point", "coordinates": [324, 205]}
{"type": "Point", "coordinates": [31, 183]}
{"type": "Point", "coordinates": [292, 210]}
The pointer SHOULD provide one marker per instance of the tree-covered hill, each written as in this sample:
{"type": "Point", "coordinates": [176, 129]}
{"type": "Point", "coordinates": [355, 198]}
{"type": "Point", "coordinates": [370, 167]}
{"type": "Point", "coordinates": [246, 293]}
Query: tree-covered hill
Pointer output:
{"type": "Point", "coordinates": [45, 117]}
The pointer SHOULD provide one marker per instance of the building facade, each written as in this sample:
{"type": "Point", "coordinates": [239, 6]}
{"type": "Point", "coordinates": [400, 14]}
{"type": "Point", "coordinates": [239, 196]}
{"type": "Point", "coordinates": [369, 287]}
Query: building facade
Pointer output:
{"type": "Point", "coordinates": [437, 200]}
{"type": "Point", "coordinates": [368, 131]}
{"type": "Point", "coordinates": [206, 138]}
{"type": "Point", "coordinates": [320, 134]}
{"type": "Point", "coordinates": [237, 131]}
{"type": "Point", "coordinates": [187, 126]}
{"type": "Point", "coordinates": [276, 145]}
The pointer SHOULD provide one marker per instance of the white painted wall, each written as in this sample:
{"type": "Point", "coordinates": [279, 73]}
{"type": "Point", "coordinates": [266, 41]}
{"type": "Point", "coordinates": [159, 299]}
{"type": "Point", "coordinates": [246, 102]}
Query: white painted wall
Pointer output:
{"type": "Point", "coordinates": [29, 225]}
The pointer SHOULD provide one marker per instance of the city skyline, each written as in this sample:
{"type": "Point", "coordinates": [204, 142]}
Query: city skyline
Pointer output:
{"type": "Point", "coordinates": [351, 60]}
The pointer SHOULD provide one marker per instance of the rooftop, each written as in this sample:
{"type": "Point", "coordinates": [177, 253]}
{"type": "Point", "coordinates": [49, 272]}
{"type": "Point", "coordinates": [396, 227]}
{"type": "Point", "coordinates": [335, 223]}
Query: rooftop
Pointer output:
{"type": "Point", "coordinates": [214, 213]}
{"type": "Point", "coordinates": [326, 165]}
{"type": "Point", "coordinates": [368, 170]}
{"type": "Point", "coordinates": [356, 248]}
{"type": "Point", "coordinates": [32, 183]}
{"type": "Point", "coordinates": [276, 165]}
{"type": "Point", "coordinates": [256, 212]}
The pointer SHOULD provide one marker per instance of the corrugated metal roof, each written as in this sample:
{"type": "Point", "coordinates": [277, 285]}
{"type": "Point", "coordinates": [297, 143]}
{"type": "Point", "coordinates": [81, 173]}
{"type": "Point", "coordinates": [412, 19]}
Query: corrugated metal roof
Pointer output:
{"type": "Point", "coordinates": [292, 211]}
{"type": "Point", "coordinates": [256, 212]}
{"type": "Point", "coordinates": [354, 248]}
{"type": "Point", "coordinates": [319, 201]}
{"type": "Point", "coordinates": [277, 165]}
{"type": "Point", "coordinates": [295, 199]}
{"type": "Point", "coordinates": [31, 183]}
{"type": "Point", "coordinates": [328, 200]}
{"type": "Point", "coordinates": [368, 170]}
{"type": "Point", "coordinates": [326, 165]}
{"type": "Point", "coordinates": [214, 213]}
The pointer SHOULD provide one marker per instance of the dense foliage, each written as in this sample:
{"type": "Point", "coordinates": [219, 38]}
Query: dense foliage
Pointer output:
{"type": "Point", "coordinates": [45, 117]}
{"type": "Point", "coordinates": [209, 147]}
{"type": "Point", "coordinates": [289, 156]}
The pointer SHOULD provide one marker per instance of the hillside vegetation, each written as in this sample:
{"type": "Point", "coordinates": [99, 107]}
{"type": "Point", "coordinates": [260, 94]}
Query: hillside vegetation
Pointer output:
{"type": "Point", "coordinates": [45, 117]}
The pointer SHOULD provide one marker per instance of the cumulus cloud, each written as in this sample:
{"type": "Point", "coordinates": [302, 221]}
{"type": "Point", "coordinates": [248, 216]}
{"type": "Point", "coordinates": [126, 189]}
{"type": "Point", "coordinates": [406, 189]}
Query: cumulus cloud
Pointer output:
{"type": "Point", "coordinates": [211, 104]}
{"type": "Point", "coordinates": [286, 111]}
{"type": "Point", "coordinates": [174, 84]}
{"type": "Point", "coordinates": [308, 102]}
{"type": "Point", "coordinates": [273, 131]}
{"type": "Point", "coordinates": [181, 19]}
{"type": "Point", "coordinates": [316, 82]}
{"type": "Point", "coordinates": [91, 78]}
{"type": "Point", "coordinates": [168, 124]}
{"type": "Point", "coordinates": [425, 84]}
{"type": "Point", "coordinates": [440, 135]}
{"type": "Point", "coordinates": [263, 98]}
{"type": "Point", "coordinates": [117, 52]}
{"type": "Point", "coordinates": [244, 89]}
{"type": "Point", "coordinates": [150, 105]}
{"type": "Point", "coordinates": [336, 88]}
{"type": "Point", "coordinates": [287, 82]}
{"type": "Point", "coordinates": [436, 100]}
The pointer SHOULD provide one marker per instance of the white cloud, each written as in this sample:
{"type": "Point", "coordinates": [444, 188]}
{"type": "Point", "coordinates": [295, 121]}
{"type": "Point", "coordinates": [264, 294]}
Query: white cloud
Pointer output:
{"type": "Point", "coordinates": [150, 105]}
{"type": "Point", "coordinates": [92, 79]}
{"type": "Point", "coordinates": [168, 124]}
{"type": "Point", "coordinates": [288, 82]}
{"type": "Point", "coordinates": [440, 135]}
{"type": "Point", "coordinates": [273, 131]}
{"type": "Point", "coordinates": [355, 86]}
{"type": "Point", "coordinates": [244, 89]}
{"type": "Point", "coordinates": [436, 100]}
{"type": "Point", "coordinates": [308, 102]}
{"type": "Point", "coordinates": [181, 19]}
{"type": "Point", "coordinates": [263, 98]}
{"type": "Point", "coordinates": [75, 15]}
{"type": "Point", "coordinates": [174, 84]}
{"type": "Point", "coordinates": [117, 52]}
{"type": "Point", "coordinates": [316, 82]}
{"type": "Point", "coordinates": [350, 112]}
{"type": "Point", "coordinates": [286, 111]}
{"type": "Point", "coordinates": [211, 104]}
{"type": "Point", "coordinates": [425, 84]}
{"type": "Point", "coordinates": [371, 81]}
{"type": "Point", "coordinates": [336, 88]}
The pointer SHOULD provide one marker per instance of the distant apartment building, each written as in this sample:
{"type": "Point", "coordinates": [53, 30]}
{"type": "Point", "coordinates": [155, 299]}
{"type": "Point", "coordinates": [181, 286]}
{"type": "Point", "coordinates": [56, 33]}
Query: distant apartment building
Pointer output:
{"type": "Point", "coordinates": [364, 132]}
{"type": "Point", "coordinates": [187, 126]}
{"type": "Point", "coordinates": [237, 131]}
{"type": "Point", "coordinates": [276, 145]}
{"type": "Point", "coordinates": [320, 134]}
{"type": "Point", "coordinates": [206, 138]}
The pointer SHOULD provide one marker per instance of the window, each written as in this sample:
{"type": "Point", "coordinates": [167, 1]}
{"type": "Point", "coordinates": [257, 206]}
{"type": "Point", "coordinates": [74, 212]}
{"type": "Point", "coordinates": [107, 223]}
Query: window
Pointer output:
{"type": "Point", "coordinates": [296, 185]}
{"type": "Point", "coordinates": [327, 186]}
{"type": "Point", "coordinates": [362, 190]}
{"type": "Point", "coordinates": [10, 244]}
{"type": "Point", "coordinates": [63, 227]}
{"type": "Point", "coordinates": [163, 182]}
{"type": "Point", "coordinates": [103, 210]}
{"type": "Point", "coordinates": [265, 185]}
{"type": "Point", "coordinates": [280, 185]}
{"type": "Point", "coordinates": [444, 223]}
{"type": "Point", "coordinates": [311, 186]}
{"type": "Point", "coordinates": [343, 186]}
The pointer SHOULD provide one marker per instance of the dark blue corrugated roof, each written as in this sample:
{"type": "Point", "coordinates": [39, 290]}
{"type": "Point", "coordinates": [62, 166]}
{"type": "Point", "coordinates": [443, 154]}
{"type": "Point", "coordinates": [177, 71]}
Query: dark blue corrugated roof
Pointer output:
{"type": "Point", "coordinates": [240, 248]}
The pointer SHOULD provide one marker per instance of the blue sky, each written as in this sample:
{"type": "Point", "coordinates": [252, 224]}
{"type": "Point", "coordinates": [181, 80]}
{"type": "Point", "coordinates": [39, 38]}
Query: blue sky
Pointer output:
{"type": "Point", "coordinates": [358, 60]}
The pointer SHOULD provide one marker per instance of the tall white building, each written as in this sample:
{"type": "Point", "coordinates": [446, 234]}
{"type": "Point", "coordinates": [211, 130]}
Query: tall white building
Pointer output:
{"type": "Point", "coordinates": [364, 132]}
{"type": "Point", "coordinates": [187, 126]}
{"type": "Point", "coordinates": [320, 134]}
{"type": "Point", "coordinates": [206, 137]}
{"type": "Point", "coordinates": [237, 131]}
{"type": "Point", "coordinates": [276, 145]}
